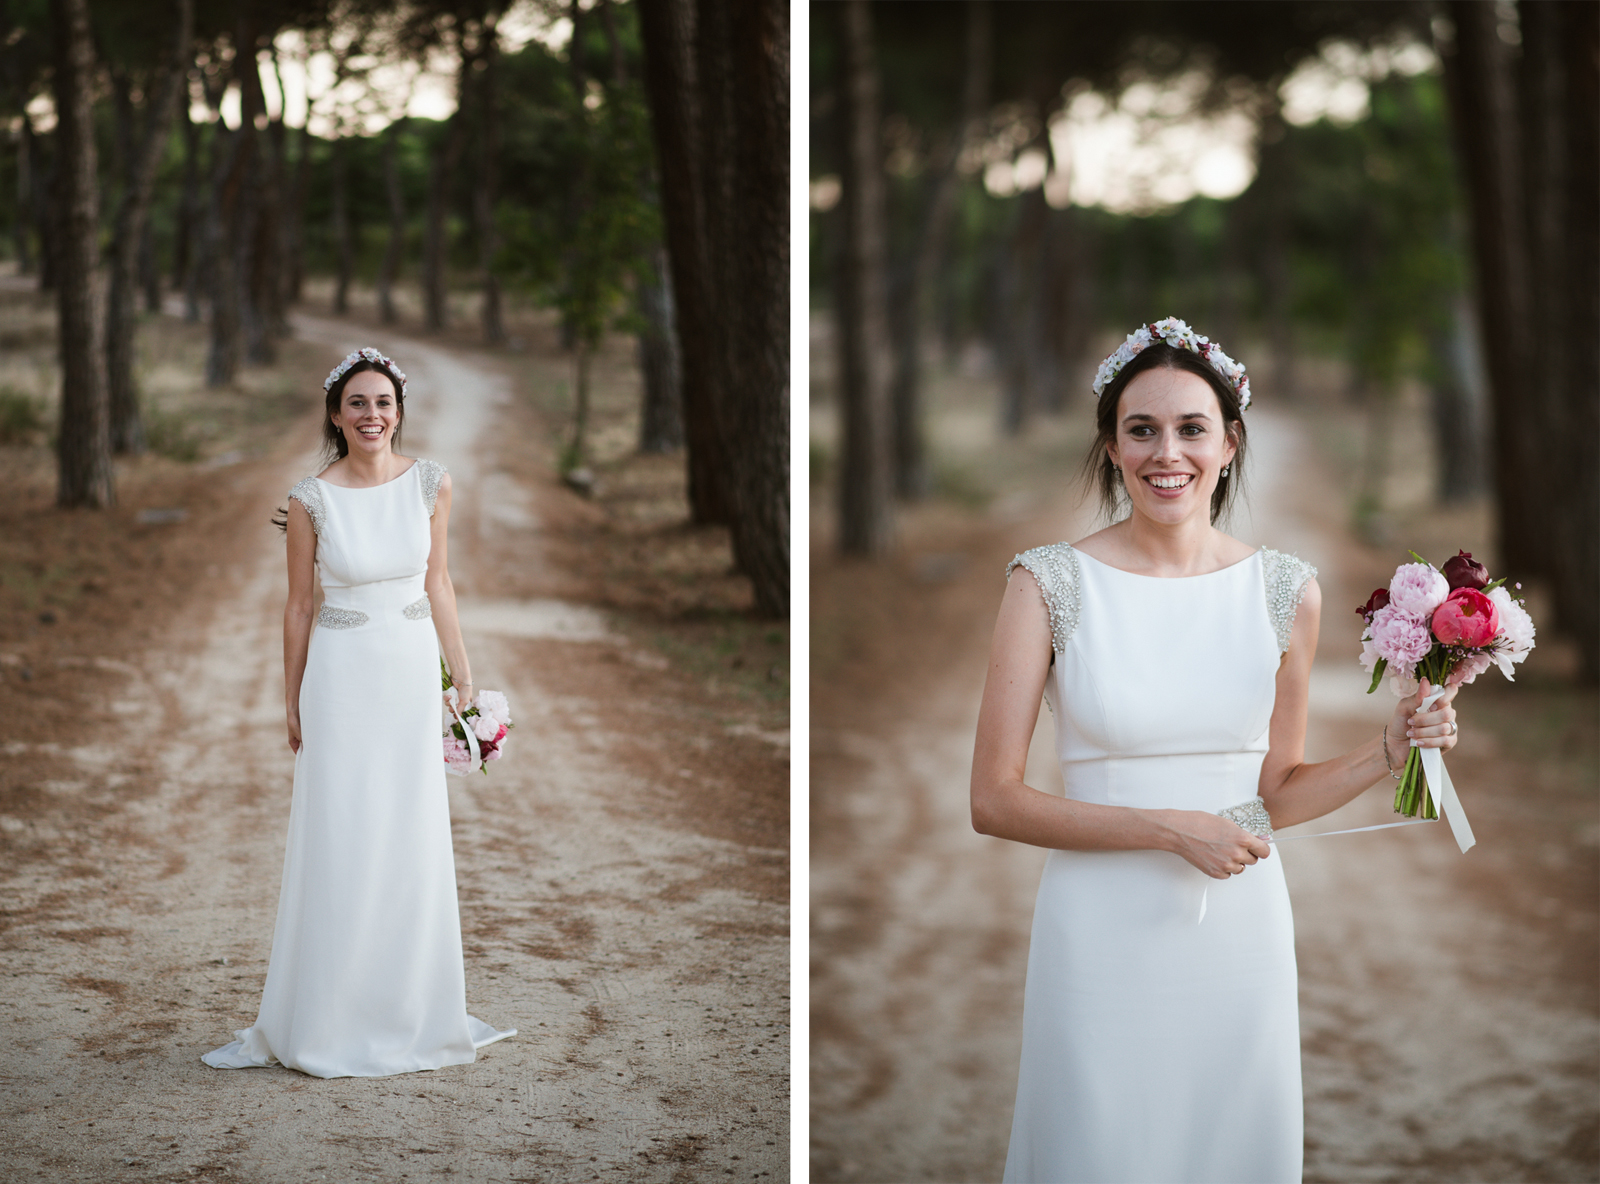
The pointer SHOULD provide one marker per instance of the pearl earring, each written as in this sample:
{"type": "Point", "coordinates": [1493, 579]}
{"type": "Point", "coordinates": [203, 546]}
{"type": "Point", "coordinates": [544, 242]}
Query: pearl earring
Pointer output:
{"type": "Point", "coordinates": [1224, 470]}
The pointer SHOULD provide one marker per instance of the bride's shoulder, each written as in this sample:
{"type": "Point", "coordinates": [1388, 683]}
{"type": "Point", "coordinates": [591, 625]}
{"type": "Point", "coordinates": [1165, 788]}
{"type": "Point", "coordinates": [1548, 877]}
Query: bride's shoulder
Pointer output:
{"type": "Point", "coordinates": [433, 477]}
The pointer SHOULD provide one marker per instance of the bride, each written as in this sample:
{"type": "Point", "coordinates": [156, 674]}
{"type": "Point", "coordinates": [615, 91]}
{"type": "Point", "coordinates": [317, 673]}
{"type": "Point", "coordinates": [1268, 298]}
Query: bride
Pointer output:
{"type": "Point", "coordinates": [1160, 1031]}
{"type": "Point", "coordinates": [366, 976]}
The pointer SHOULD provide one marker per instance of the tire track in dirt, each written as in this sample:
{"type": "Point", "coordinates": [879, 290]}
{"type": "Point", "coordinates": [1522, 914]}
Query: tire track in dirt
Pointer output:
{"type": "Point", "coordinates": [644, 959]}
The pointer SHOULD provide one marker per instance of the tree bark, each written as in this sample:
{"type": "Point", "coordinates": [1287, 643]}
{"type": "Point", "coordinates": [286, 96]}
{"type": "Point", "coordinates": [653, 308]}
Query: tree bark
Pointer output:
{"type": "Point", "coordinates": [23, 244]}
{"type": "Point", "coordinates": [141, 160]}
{"type": "Point", "coordinates": [446, 159]}
{"type": "Point", "coordinates": [671, 82]}
{"type": "Point", "coordinates": [488, 105]}
{"type": "Point", "coordinates": [661, 411]}
{"type": "Point", "coordinates": [911, 297]}
{"type": "Point", "coordinates": [84, 476]}
{"type": "Point", "coordinates": [41, 205]}
{"type": "Point", "coordinates": [231, 152]}
{"type": "Point", "coordinates": [294, 225]}
{"type": "Point", "coordinates": [397, 226]}
{"type": "Point", "coordinates": [1483, 117]}
{"type": "Point", "coordinates": [866, 524]}
{"type": "Point", "coordinates": [343, 251]}
{"type": "Point", "coordinates": [184, 256]}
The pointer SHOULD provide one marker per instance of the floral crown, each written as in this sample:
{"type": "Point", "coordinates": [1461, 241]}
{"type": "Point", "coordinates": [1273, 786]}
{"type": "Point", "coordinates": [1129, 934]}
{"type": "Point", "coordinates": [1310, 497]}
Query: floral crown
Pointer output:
{"type": "Point", "coordinates": [365, 354]}
{"type": "Point", "coordinates": [1175, 333]}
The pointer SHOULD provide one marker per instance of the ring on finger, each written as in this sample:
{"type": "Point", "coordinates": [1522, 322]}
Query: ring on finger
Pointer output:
{"type": "Point", "coordinates": [1452, 727]}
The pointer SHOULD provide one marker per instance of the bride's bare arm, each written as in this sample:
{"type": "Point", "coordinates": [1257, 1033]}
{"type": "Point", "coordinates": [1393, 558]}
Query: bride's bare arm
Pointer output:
{"type": "Point", "coordinates": [1296, 792]}
{"type": "Point", "coordinates": [1005, 806]}
{"type": "Point", "coordinates": [302, 549]}
{"type": "Point", "coordinates": [442, 596]}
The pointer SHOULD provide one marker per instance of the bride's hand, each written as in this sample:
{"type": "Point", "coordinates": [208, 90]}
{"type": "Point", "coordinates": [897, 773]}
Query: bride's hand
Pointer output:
{"type": "Point", "coordinates": [1433, 728]}
{"type": "Point", "coordinates": [1217, 846]}
{"type": "Point", "coordinates": [294, 732]}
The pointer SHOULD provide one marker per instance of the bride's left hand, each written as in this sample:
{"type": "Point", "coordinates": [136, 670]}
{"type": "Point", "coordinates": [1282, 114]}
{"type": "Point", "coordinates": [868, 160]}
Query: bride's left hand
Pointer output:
{"type": "Point", "coordinates": [1433, 728]}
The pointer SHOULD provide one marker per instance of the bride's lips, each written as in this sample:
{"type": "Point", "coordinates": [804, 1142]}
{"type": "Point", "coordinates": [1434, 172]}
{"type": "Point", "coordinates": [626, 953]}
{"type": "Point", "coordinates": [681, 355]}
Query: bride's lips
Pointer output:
{"type": "Point", "coordinates": [1174, 491]}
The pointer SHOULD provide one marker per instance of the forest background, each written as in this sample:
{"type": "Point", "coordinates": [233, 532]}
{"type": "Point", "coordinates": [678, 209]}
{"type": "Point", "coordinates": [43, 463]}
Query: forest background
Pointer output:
{"type": "Point", "coordinates": [1387, 212]}
{"type": "Point", "coordinates": [224, 152]}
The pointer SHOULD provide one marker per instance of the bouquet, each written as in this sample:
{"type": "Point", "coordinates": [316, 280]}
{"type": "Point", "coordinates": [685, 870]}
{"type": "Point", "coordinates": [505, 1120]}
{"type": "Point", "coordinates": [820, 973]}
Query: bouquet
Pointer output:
{"type": "Point", "coordinates": [1446, 626]}
{"type": "Point", "coordinates": [489, 721]}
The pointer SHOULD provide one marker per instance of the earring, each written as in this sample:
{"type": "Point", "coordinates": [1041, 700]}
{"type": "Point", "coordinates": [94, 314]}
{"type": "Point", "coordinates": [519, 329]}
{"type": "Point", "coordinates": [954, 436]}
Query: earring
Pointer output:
{"type": "Point", "coordinates": [1224, 470]}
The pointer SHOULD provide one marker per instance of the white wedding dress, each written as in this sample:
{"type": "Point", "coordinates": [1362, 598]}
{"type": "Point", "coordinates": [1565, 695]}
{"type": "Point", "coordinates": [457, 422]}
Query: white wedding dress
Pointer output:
{"type": "Point", "coordinates": [1159, 1047]}
{"type": "Point", "coordinates": [366, 976]}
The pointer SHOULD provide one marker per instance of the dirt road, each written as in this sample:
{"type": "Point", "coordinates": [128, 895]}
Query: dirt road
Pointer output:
{"type": "Point", "coordinates": [1448, 1003]}
{"type": "Point", "coordinates": [622, 880]}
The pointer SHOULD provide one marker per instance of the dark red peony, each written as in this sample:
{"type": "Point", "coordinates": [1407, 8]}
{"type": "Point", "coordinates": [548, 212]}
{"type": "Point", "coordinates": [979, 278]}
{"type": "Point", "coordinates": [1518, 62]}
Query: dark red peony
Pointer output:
{"type": "Point", "coordinates": [1464, 572]}
{"type": "Point", "coordinates": [1377, 600]}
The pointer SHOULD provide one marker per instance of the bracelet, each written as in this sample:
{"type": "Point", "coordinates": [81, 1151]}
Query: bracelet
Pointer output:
{"type": "Point", "coordinates": [1386, 759]}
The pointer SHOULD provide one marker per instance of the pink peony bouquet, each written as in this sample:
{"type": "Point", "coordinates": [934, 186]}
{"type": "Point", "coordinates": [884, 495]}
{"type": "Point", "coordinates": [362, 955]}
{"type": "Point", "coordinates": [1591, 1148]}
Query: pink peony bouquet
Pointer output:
{"type": "Point", "coordinates": [1446, 626]}
{"type": "Point", "coordinates": [489, 717]}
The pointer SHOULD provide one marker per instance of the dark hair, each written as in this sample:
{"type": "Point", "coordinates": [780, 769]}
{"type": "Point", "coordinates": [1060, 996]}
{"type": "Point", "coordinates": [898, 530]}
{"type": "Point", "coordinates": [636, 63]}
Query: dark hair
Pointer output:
{"type": "Point", "coordinates": [334, 446]}
{"type": "Point", "coordinates": [1100, 475]}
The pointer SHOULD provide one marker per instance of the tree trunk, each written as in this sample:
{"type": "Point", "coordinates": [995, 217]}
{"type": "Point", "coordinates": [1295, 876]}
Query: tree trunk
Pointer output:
{"type": "Point", "coordinates": [260, 263]}
{"type": "Point", "coordinates": [866, 523]}
{"type": "Point", "coordinates": [344, 254]}
{"type": "Point", "coordinates": [1276, 188]}
{"type": "Point", "coordinates": [494, 332]}
{"type": "Point", "coordinates": [149, 271]}
{"type": "Point", "coordinates": [661, 411]}
{"type": "Point", "coordinates": [84, 440]}
{"type": "Point", "coordinates": [911, 303]}
{"type": "Point", "coordinates": [436, 246]}
{"type": "Point", "coordinates": [41, 206]}
{"type": "Point", "coordinates": [183, 252]}
{"type": "Point", "coordinates": [230, 152]}
{"type": "Point", "coordinates": [671, 82]}
{"type": "Point", "coordinates": [141, 161]}
{"type": "Point", "coordinates": [1456, 402]}
{"type": "Point", "coordinates": [1483, 117]}
{"type": "Point", "coordinates": [397, 226]}
{"type": "Point", "coordinates": [19, 223]}
{"type": "Point", "coordinates": [294, 225]}
{"type": "Point", "coordinates": [1016, 307]}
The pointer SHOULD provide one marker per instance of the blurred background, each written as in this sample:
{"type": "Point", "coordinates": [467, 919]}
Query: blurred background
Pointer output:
{"type": "Point", "coordinates": [484, 163]}
{"type": "Point", "coordinates": [1387, 212]}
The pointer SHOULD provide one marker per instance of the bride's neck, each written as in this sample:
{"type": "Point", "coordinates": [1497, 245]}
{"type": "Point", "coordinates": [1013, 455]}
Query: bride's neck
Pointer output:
{"type": "Point", "coordinates": [372, 470]}
{"type": "Point", "coordinates": [1191, 547]}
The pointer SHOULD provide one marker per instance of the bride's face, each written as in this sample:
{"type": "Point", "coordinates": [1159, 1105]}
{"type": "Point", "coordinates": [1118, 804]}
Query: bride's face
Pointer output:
{"type": "Point", "coordinates": [368, 413]}
{"type": "Point", "coordinates": [1172, 445]}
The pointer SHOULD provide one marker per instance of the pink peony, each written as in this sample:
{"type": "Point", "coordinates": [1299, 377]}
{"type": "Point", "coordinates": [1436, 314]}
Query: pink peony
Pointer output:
{"type": "Point", "coordinates": [1516, 631]}
{"type": "Point", "coordinates": [1468, 668]}
{"type": "Point", "coordinates": [494, 703]}
{"type": "Point", "coordinates": [486, 727]}
{"type": "Point", "coordinates": [492, 753]}
{"type": "Point", "coordinates": [1417, 589]}
{"type": "Point", "coordinates": [1467, 617]}
{"type": "Point", "coordinates": [457, 758]}
{"type": "Point", "coordinates": [1369, 655]}
{"type": "Point", "coordinates": [1401, 638]}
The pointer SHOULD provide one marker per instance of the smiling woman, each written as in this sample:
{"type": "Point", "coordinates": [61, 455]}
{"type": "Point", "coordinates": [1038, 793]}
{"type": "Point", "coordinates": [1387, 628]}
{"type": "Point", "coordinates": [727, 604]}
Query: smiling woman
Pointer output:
{"type": "Point", "coordinates": [366, 977]}
{"type": "Point", "coordinates": [1160, 1018]}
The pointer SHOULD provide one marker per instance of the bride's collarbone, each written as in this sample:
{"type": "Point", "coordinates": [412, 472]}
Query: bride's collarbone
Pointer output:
{"type": "Point", "coordinates": [338, 473]}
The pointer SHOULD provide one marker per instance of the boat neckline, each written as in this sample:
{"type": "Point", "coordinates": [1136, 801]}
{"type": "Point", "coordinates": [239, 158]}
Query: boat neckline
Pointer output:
{"type": "Point", "coordinates": [415, 461]}
{"type": "Point", "coordinates": [1141, 576]}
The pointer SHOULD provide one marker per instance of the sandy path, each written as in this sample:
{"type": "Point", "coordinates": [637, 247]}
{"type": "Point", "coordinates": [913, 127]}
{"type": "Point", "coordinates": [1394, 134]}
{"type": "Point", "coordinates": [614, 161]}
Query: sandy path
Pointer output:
{"type": "Point", "coordinates": [648, 981]}
{"type": "Point", "coordinates": [1432, 1049]}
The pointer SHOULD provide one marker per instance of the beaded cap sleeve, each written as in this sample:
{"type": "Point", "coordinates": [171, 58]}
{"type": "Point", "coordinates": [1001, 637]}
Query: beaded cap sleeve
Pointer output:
{"type": "Point", "coordinates": [1055, 568]}
{"type": "Point", "coordinates": [309, 495]}
{"type": "Point", "coordinates": [430, 473]}
{"type": "Point", "coordinates": [1285, 577]}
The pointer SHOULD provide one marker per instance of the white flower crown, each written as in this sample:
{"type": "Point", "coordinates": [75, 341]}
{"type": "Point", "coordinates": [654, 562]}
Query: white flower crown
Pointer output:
{"type": "Point", "coordinates": [1175, 333]}
{"type": "Point", "coordinates": [365, 354]}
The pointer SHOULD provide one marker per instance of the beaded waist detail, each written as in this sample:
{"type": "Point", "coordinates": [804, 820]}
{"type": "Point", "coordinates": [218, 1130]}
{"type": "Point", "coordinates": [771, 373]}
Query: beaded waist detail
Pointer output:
{"type": "Point", "coordinates": [332, 617]}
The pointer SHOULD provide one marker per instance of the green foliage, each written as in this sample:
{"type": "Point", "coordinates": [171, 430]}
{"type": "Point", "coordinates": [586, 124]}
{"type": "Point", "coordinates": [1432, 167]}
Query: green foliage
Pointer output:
{"type": "Point", "coordinates": [171, 436]}
{"type": "Point", "coordinates": [21, 417]}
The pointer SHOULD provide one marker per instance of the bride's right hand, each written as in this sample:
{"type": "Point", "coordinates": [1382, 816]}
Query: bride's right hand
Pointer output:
{"type": "Point", "coordinates": [1218, 846]}
{"type": "Point", "coordinates": [294, 732]}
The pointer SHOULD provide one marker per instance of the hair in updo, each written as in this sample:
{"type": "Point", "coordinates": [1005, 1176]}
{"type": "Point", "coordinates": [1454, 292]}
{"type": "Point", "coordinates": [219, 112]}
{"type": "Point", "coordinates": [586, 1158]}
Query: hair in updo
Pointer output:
{"type": "Point", "coordinates": [1101, 476]}
{"type": "Point", "coordinates": [334, 446]}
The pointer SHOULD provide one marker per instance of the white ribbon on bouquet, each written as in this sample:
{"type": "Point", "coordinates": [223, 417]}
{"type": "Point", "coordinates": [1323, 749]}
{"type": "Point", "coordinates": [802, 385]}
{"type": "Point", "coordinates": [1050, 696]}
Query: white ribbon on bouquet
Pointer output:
{"type": "Point", "coordinates": [472, 738]}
